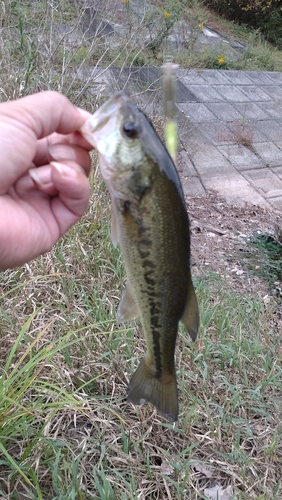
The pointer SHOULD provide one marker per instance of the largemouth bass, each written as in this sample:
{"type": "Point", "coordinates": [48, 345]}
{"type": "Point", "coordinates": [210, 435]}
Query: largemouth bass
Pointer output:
{"type": "Point", "coordinates": [150, 223]}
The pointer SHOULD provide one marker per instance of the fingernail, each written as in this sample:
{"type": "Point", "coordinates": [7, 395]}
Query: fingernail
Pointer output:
{"type": "Point", "coordinates": [36, 177]}
{"type": "Point", "coordinates": [63, 169]}
{"type": "Point", "coordinates": [61, 152]}
{"type": "Point", "coordinates": [84, 113]}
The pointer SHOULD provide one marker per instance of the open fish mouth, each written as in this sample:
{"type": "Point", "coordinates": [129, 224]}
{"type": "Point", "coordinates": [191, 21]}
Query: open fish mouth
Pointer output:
{"type": "Point", "coordinates": [101, 118]}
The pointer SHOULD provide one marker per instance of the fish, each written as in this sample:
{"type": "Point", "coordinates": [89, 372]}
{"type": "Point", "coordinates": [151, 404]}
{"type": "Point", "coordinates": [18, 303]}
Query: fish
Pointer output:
{"type": "Point", "coordinates": [150, 223]}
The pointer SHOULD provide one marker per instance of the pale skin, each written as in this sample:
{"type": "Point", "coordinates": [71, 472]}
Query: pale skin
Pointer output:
{"type": "Point", "coordinates": [44, 167]}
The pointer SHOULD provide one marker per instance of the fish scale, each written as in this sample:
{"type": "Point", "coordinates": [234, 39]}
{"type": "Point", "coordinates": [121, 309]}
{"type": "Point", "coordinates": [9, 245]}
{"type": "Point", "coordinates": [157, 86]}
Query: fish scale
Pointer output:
{"type": "Point", "coordinates": [150, 223]}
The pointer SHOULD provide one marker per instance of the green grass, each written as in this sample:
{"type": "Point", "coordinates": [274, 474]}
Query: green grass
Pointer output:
{"type": "Point", "coordinates": [66, 428]}
{"type": "Point", "coordinates": [266, 250]}
{"type": "Point", "coordinates": [50, 46]}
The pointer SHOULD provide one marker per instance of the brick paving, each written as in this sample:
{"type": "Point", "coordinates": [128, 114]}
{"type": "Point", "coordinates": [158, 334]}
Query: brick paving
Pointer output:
{"type": "Point", "coordinates": [230, 128]}
{"type": "Point", "coordinates": [233, 141]}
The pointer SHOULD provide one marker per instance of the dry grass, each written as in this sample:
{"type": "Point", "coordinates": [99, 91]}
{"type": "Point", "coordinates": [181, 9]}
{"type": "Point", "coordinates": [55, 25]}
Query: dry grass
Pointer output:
{"type": "Point", "coordinates": [63, 46]}
{"type": "Point", "coordinates": [241, 133]}
{"type": "Point", "coordinates": [66, 428]}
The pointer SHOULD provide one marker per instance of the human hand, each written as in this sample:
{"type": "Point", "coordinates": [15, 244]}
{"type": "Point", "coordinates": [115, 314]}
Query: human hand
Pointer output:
{"type": "Point", "coordinates": [44, 165]}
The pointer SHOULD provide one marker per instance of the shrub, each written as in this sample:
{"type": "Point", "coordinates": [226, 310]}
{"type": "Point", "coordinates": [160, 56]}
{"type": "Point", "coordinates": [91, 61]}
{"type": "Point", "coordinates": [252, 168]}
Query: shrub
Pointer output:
{"type": "Point", "coordinates": [265, 15]}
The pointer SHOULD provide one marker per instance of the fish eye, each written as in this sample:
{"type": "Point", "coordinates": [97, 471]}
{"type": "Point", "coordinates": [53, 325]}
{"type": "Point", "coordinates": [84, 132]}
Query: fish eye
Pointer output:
{"type": "Point", "coordinates": [129, 129]}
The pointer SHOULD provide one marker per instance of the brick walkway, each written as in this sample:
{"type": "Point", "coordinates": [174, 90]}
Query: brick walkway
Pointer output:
{"type": "Point", "coordinates": [230, 128]}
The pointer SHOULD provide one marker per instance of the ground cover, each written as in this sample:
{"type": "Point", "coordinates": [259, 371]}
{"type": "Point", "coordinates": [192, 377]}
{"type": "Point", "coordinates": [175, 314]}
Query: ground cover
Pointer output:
{"type": "Point", "coordinates": [66, 428]}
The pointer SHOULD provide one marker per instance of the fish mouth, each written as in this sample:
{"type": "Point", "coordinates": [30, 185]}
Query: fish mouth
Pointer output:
{"type": "Point", "coordinates": [91, 127]}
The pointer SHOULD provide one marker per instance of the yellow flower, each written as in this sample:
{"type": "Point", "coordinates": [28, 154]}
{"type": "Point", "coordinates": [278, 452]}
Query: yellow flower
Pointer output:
{"type": "Point", "coordinates": [201, 25]}
{"type": "Point", "coordinates": [125, 1]}
{"type": "Point", "coordinates": [221, 59]}
{"type": "Point", "coordinates": [167, 15]}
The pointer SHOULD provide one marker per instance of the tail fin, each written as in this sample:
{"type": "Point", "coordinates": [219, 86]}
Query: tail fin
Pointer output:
{"type": "Point", "coordinates": [145, 388]}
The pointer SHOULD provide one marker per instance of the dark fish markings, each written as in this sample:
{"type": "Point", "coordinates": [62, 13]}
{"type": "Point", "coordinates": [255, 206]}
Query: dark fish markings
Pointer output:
{"type": "Point", "coordinates": [153, 229]}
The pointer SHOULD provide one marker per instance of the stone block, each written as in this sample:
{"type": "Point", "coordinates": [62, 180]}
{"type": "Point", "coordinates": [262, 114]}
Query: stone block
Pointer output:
{"type": "Point", "coordinates": [251, 110]}
{"type": "Point", "coordinates": [278, 144]}
{"type": "Point", "coordinates": [277, 171]}
{"type": "Point", "coordinates": [198, 112]}
{"type": "Point", "coordinates": [273, 109]}
{"type": "Point", "coordinates": [217, 132]}
{"type": "Point", "coordinates": [208, 161]}
{"type": "Point", "coordinates": [224, 111]}
{"type": "Point", "coordinates": [235, 190]}
{"type": "Point", "coordinates": [259, 77]}
{"type": "Point", "coordinates": [192, 77]}
{"type": "Point", "coordinates": [241, 157]}
{"type": "Point", "coordinates": [192, 187]}
{"type": "Point", "coordinates": [206, 93]}
{"type": "Point", "coordinates": [274, 91]}
{"type": "Point", "coordinates": [276, 202]}
{"type": "Point", "coordinates": [255, 93]}
{"type": "Point", "coordinates": [269, 153]}
{"type": "Point", "coordinates": [275, 76]}
{"type": "Point", "coordinates": [265, 182]}
{"type": "Point", "coordinates": [184, 165]}
{"type": "Point", "coordinates": [272, 129]}
{"type": "Point", "coordinates": [232, 93]}
{"type": "Point", "coordinates": [213, 77]}
{"type": "Point", "coordinates": [237, 77]}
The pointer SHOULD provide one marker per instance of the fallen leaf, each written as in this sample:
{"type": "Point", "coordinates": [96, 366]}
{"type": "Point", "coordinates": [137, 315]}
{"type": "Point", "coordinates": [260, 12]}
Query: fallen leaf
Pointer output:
{"type": "Point", "coordinates": [215, 230]}
{"type": "Point", "coordinates": [204, 470]}
{"type": "Point", "coordinates": [258, 429]}
{"type": "Point", "coordinates": [219, 493]}
{"type": "Point", "coordinates": [167, 469]}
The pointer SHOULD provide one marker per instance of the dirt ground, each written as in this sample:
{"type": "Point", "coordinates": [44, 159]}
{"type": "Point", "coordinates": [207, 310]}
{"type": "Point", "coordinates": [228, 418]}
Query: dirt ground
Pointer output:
{"type": "Point", "coordinates": [220, 240]}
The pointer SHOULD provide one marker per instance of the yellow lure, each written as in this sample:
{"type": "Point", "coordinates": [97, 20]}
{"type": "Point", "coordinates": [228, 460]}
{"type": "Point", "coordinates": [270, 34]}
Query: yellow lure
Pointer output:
{"type": "Point", "coordinates": [171, 138]}
{"type": "Point", "coordinates": [169, 85]}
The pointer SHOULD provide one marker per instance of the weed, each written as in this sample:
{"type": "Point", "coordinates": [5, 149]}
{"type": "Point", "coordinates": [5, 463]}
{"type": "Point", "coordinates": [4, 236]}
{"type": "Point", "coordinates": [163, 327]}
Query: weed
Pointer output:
{"type": "Point", "coordinates": [66, 428]}
{"type": "Point", "coordinates": [240, 133]}
{"type": "Point", "coordinates": [270, 252]}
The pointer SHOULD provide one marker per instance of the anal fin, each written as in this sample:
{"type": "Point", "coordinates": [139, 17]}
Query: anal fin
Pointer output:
{"type": "Point", "coordinates": [114, 228]}
{"type": "Point", "coordinates": [190, 317]}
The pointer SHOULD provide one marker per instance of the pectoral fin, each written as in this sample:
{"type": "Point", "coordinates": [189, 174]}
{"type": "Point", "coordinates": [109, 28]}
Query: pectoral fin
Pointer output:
{"type": "Point", "coordinates": [190, 317]}
{"type": "Point", "coordinates": [128, 308]}
{"type": "Point", "coordinates": [114, 228]}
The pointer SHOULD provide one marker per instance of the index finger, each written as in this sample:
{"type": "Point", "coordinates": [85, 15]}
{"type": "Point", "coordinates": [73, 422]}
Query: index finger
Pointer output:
{"type": "Point", "coordinates": [44, 113]}
{"type": "Point", "coordinates": [42, 154]}
{"type": "Point", "coordinates": [26, 120]}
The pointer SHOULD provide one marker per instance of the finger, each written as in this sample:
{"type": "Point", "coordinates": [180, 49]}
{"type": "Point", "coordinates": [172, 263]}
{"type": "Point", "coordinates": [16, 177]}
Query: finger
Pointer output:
{"type": "Point", "coordinates": [73, 197]}
{"type": "Point", "coordinates": [42, 155]}
{"type": "Point", "coordinates": [46, 112]}
{"type": "Point", "coordinates": [64, 152]}
{"type": "Point", "coordinates": [41, 178]}
{"type": "Point", "coordinates": [77, 158]}
{"type": "Point", "coordinates": [26, 120]}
